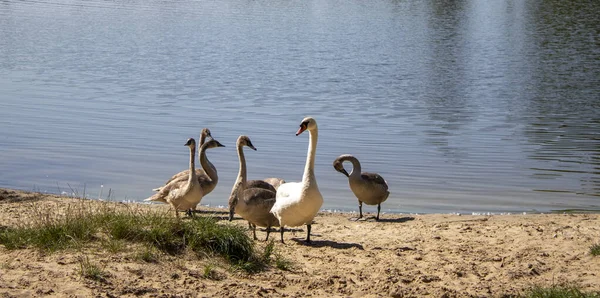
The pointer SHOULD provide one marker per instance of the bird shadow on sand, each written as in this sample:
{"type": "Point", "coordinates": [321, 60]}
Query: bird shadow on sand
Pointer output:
{"type": "Point", "coordinates": [373, 219]}
{"type": "Point", "coordinates": [327, 243]}
{"type": "Point", "coordinates": [397, 220]}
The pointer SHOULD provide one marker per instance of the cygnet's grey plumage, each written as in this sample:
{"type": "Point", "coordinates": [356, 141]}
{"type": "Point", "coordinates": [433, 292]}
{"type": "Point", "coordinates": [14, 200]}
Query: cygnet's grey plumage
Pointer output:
{"type": "Point", "coordinates": [252, 204]}
{"type": "Point", "coordinates": [369, 188]}
{"type": "Point", "coordinates": [167, 193]}
{"type": "Point", "coordinates": [207, 176]}
{"type": "Point", "coordinates": [182, 195]}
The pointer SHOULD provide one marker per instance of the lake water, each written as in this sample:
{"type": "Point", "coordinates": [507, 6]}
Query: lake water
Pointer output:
{"type": "Point", "coordinates": [462, 106]}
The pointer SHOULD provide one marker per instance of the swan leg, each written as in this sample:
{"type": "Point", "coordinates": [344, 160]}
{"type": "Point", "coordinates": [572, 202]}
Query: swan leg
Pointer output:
{"type": "Point", "coordinates": [359, 209]}
{"type": "Point", "coordinates": [378, 209]}
{"type": "Point", "coordinates": [193, 210]}
{"type": "Point", "coordinates": [231, 212]}
{"type": "Point", "coordinates": [189, 212]}
{"type": "Point", "coordinates": [254, 231]}
{"type": "Point", "coordinates": [268, 232]}
{"type": "Point", "coordinates": [281, 231]}
{"type": "Point", "coordinates": [308, 226]}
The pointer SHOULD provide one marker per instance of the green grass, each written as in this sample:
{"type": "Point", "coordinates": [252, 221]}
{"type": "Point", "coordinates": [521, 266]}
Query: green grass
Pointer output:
{"type": "Point", "coordinates": [83, 225]}
{"type": "Point", "coordinates": [558, 292]}
{"type": "Point", "coordinates": [283, 263]}
{"type": "Point", "coordinates": [595, 250]}
{"type": "Point", "coordinates": [279, 261]}
{"type": "Point", "coordinates": [268, 251]}
{"type": "Point", "coordinates": [210, 272]}
{"type": "Point", "coordinates": [231, 242]}
{"type": "Point", "coordinates": [90, 270]}
{"type": "Point", "coordinates": [114, 245]}
{"type": "Point", "coordinates": [148, 254]}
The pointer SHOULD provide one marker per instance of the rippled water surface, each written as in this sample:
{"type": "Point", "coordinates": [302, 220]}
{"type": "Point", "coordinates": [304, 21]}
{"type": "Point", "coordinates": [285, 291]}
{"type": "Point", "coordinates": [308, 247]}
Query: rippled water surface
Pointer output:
{"type": "Point", "coordinates": [462, 106]}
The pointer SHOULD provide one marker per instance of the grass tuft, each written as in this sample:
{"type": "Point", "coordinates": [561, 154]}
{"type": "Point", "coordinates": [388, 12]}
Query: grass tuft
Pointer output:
{"type": "Point", "coordinates": [210, 272]}
{"type": "Point", "coordinates": [231, 242]}
{"type": "Point", "coordinates": [267, 258]}
{"type": "Point", "coordinates": [114, 245]}
{"type": "Point", "coordinates": [84, 223]}
{"type": "Point", "coordinates": [283, 264]}
{"type": "Point", "coordinates": [91, 271]}
{"type": "Point", "coordinates": [595, 250]}
{"type": "Point", "coordinates": [51, 236]}
{"type": "Point", "coordinates": [148, 254]}
{"type": "Point", "coordinates": [268, 251]}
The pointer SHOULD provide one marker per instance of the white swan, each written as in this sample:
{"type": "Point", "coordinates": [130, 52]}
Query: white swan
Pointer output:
{"type": "Point", "coordinates": [207, 176]}
{"type": "Point", "coordinates": [252, 204]}
{"type": "Point", "coordinates": [297, 203]}
{"type": "Point", "coordinates": [171, 192]}
{"type": "Point", "coordinates": [369, 188]}
{"type": "Point", "coordinates": [182, 195]}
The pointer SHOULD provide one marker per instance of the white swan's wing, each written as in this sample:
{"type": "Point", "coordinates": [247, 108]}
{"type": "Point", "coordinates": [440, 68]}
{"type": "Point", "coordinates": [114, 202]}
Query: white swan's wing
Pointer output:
{"type": "Point", "coordinates": [287, 194]}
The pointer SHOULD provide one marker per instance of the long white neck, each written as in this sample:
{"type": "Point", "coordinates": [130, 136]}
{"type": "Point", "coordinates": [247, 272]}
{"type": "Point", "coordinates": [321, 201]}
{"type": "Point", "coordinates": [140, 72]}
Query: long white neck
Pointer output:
{"type": "Point", "coordinates": [309, 172]}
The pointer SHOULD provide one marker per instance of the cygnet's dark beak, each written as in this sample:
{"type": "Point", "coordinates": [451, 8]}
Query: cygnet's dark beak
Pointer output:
{"type": "Point", "coordinates": [343, 171]}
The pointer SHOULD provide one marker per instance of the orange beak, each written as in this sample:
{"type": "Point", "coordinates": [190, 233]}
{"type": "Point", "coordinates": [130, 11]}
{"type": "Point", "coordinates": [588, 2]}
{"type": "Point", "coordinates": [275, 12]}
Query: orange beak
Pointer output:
{"type": "Point", "coordinates": [301, 129]}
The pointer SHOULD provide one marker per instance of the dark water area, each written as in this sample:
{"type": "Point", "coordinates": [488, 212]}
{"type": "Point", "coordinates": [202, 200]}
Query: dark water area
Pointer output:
{"type": "Point", "coordinates": [462, 106]}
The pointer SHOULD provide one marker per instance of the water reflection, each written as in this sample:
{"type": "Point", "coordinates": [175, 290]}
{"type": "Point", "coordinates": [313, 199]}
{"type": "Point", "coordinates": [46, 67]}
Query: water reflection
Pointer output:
{"type": "Point", "coordinates": [444, 93]}
{"type": "Point", "coordinates": [561, 111]}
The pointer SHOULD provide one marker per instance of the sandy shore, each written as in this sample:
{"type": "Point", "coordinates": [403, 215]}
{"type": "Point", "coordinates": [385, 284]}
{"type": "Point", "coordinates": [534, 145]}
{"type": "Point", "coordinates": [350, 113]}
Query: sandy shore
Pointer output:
{"type": "Point", "coordinates": [399, 256]}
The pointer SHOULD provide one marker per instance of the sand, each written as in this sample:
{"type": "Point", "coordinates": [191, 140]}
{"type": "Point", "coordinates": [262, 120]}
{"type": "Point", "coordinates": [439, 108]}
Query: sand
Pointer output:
{"type": "Point", "coordinates": [400, 256]}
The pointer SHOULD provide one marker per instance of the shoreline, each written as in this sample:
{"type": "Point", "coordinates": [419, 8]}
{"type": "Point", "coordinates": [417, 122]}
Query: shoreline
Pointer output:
{"type": "Point", "coordinates": [402, 255]}
{"type": "Point", "coordinates": [367, 209]}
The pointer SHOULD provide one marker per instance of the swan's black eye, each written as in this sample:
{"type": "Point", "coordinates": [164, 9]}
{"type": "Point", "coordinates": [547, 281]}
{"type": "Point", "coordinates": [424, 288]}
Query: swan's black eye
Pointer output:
{"type": "Point", "coordinates": [304, 124]}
